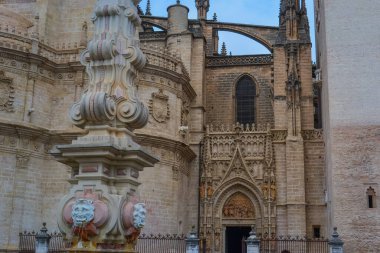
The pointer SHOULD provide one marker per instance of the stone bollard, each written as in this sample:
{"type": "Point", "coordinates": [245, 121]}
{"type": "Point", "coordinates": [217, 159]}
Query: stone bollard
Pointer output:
{"type": "Point", "coordinates": [42, 240]}
{"type": "Point", "coordinates": [192, 242]}
{"type": "Point", "coordinates": [336, 244]}
{"type": "Point", "coordinates": [253, 243]}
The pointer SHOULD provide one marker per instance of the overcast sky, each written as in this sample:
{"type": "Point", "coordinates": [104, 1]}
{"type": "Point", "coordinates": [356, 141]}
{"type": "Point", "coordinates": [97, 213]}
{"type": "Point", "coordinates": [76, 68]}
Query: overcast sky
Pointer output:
{"type": "Point", "coordinates": [258, 12]}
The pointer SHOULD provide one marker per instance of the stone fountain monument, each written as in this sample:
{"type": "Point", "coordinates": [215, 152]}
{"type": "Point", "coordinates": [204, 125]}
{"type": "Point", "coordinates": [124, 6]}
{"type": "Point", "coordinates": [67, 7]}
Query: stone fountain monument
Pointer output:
{"type": "Point", "coordinates": [101, 212]}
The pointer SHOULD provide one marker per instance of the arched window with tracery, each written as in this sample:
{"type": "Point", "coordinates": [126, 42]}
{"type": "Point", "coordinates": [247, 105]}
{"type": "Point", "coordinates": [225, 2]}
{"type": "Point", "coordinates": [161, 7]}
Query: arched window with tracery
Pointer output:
{"type": "Point", "coordinates": [245, 100]}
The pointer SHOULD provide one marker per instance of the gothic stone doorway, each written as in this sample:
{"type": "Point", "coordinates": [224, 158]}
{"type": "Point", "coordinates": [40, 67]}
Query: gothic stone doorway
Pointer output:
{"type": "Point", "coordinates": [234, 239]}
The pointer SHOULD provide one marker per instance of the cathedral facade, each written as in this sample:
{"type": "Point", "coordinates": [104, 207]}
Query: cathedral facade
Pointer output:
{"type": "Point", "coordinates": [237, 137]}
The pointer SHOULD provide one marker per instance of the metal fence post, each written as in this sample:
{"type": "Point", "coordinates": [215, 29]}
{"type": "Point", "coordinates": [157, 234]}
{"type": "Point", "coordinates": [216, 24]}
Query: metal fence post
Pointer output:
{"type": "Point", "coordinates": [42, 240]}
{"type": "Point", "coordinates": [336, 244]}
{"type": "Point", "coordinates": [253, 243]}
{"type": "Point", "coordinates": [192, 242]}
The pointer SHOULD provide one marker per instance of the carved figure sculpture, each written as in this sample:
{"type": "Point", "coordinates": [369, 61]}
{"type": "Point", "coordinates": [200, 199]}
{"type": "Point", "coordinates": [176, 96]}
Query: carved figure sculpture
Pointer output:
{"type": "Point", "coordinates": [82, 214]}
{"type": "Point", "coordinates": [83, 211]}
{"type": "Point", "coordinates": [238, 206]}
{"type": "Point", "coordinates": [133, 220]}
{"type": "Point", "coordinates": [139, 215]}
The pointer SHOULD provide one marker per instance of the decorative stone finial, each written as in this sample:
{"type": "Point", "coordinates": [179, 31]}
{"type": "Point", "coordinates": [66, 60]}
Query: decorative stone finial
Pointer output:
{"type": "Point", "coordinates": [336, 243]}
{"type": "Point", "coordinates": [335, 236]}
{"type": "Point", "coordinates": [42, 240]}
{"type": "Point", "coordinates": [112, 60]}
{"type": "Point", "coordinates": [215, 17]}
{"type": "Point", "coordinates": [178, 2]}
{"type": "Point", "coordinates": [148, 9]}
{"type": "Point", "coordinates": [224, 49]}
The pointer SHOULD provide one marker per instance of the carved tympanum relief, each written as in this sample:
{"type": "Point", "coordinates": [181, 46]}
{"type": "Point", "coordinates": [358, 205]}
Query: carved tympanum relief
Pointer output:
{"type": "Point", "coordinates": [159, 106]}
{"type": "Point", "coordinates": [7, 91]}
{"type": "Point", "coordinates": [238, 206]}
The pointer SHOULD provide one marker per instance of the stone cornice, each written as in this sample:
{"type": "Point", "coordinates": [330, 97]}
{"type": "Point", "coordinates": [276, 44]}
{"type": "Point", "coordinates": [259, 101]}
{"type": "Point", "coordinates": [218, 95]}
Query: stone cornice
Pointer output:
{"type": "Point", "coordinates": [39, 60]}
{"type": "Point", "coordinates": [171, 75]}
{"type": "Point", "coordinates": [44, 135]}
{"type": "Point", "coordinates": [27, 130]}
{"type": "Point", "coordinates": [169, 144]}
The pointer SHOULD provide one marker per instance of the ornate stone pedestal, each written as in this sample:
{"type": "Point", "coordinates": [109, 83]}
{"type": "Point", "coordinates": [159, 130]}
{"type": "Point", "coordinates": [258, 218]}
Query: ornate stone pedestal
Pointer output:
{"type": "Point", "coordinates": [101, 212]}
{"type": "Point", "coordinates": [106, 165]}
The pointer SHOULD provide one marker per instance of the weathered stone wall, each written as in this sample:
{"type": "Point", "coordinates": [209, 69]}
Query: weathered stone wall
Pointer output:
{"type": "Point", "coordinates": [348, 58]}
{"type": "Point", "coordinates": [220, 91]}
{"type": "Point", "coordinates": [30, 191]}
{"type": "Point", "coordinates": [315, 187]}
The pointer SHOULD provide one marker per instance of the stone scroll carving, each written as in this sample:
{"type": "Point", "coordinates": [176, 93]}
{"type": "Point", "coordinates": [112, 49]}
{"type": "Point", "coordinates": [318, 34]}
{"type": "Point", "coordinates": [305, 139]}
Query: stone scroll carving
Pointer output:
{"type": "Point", "coordinates": [112, 60]}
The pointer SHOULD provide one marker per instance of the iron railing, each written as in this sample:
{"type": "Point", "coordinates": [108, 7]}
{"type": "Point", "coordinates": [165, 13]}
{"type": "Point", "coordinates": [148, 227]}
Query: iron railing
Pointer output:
{"type": "Point", "coordinates": [161, 243]}
{"type": "Point", "coordinates": [288, 244]}
{"type": "Point", "coordinates": [177, 244]}
{"type": "Point", "coordinates": [146, 243]}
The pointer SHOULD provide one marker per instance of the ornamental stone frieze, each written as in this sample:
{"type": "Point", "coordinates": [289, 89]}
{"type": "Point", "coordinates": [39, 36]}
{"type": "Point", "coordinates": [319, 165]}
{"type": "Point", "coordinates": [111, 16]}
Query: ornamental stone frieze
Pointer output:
{"type": "Point", "coordinates": [7, 93]}
{"type": "Point", "coordinates": [315, 135]}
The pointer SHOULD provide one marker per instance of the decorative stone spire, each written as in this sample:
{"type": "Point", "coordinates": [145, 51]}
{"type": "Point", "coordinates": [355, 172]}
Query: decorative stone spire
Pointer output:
{"type": "Point", "coordinates": [224, 49]}
{"type": "Point", "coordinates": [293, 21]}
{"type": "Point", "coordinates": [112, 60]}
{"type": "Point", "coordinates": [148, 8]}
{"type": "Point", "coordinates": [203, 7]}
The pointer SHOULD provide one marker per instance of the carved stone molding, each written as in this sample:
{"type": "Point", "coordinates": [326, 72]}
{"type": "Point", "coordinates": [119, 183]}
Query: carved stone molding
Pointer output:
{"type": "Point", "coordinates": [7, 93]}
{"type": "Point", "coordinates": [313, 135]}
{"type": "Point", "coordinates": [22, 159]}
{"type": "Point", "coordinates": [159, 106]}
{"type": "Point", "coordinates": [222, 61]}
{"type": "Point", "coordinates": [279, 136]}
